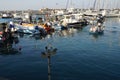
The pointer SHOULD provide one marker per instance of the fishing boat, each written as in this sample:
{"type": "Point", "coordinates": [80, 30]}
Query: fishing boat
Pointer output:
{"type": "Point", "coordinates": [70, 21]}
{"type": "Point", "coordinates": [98, 28]}
{"type": "Point", "coordinates": [6, 16]}
{"type": "Point", "coordinates": [26, 28]}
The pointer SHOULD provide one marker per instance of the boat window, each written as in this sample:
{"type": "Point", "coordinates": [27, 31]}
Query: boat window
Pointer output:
{"type": "Point", "coordinates": [73, 17]}
{"type": "Point", "coordinates": [67, 17]}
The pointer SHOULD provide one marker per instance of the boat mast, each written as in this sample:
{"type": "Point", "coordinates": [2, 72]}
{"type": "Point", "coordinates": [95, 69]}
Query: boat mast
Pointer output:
{"type": "Point", "coordinates": [94, 4]}
{"type": "Point", "coordinates": [98, 3]}
{"type": "Point", "coordinates": [67, 5]}
{"type": "Point", "coordinates": [117, 4]}
{"type": "Point", "coordinates": [103, 4]}
{"type": "Point", "coordinates": [71, 4]}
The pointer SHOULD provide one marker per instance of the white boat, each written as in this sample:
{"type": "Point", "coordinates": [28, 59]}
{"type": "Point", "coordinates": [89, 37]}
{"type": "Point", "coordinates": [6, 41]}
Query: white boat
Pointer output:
{"type": "Point", "coordinates": [71, 21]}
{"type": "Point", "coordinates": [91, 13]}
{"type": "Point", "coordinates": [6, 15]}
{"type": "Point", "coordinates": [112, 13]}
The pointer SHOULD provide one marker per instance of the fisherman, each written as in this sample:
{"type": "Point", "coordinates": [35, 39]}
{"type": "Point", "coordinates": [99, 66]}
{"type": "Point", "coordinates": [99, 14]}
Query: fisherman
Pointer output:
{"type": "Point", "coordinates": [99, 27]}
{"type": "Point", "coordinates": [11, 26]}
{"type": "Point", "coordinates": [7, 37]}
{"type": "Point", "coordinates": [20, 22]}
{"type": "Point", "coordinates": [36, 31]}
{"type": "Point", "coordinates": [47, 27]}
{"type": "Point", "coordinates": [101, 19]}
{"type": "Point", "coordinates": [10, 38]}
{"type": "Point", "coordinates": [99, 23]}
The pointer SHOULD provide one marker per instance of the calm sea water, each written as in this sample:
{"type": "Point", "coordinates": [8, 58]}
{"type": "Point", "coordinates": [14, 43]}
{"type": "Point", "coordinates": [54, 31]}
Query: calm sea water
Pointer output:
{"type": "Point", "coordinates": [80, 56]}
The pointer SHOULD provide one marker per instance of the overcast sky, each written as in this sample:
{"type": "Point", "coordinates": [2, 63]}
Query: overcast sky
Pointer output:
{"type": "Point", "coordinates": [38, 4]}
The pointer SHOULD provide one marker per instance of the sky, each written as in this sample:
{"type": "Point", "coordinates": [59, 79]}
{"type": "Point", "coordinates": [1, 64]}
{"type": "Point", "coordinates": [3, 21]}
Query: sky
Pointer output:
{"type": "Point", "coordinates": [38, 4]}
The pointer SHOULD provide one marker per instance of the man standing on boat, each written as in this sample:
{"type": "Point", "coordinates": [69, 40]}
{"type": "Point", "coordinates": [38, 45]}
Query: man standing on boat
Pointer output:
{"type": "Point", "coordinates": [100, 22]}
{"type": "Point", "coordinates": [11, 26]}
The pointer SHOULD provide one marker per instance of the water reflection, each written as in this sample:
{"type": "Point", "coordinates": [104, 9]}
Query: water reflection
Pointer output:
{"type": "Point", "coordinates": [69, 32]}
{"type": "Point", "coordinates": [96, 36]}
{"type": "Point", "coordinates": [1, 78]}
{"type": "Point", "coordinates": [62, 33]}
{"type": "Point", "coordinates": [78, 57]}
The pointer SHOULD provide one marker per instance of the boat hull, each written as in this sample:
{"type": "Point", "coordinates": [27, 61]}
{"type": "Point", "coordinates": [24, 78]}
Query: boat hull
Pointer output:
{"type": "Point", "coordinates": [77, 24]}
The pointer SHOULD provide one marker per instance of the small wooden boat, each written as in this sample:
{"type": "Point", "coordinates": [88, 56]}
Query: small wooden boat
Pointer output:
{"type": "Point", "coordinates": [96, 30]}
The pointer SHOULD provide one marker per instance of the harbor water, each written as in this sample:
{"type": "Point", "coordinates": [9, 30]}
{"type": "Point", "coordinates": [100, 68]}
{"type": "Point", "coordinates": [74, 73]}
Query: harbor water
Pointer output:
{"type": "Point", "coordinates": [79, 56]}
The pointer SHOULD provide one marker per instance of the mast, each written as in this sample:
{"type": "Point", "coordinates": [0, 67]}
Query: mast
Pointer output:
{"type": "Point", "coordinates": [117, 4]}
{"type": "Point", "coordinates": [103, 4]}
{"type": "Point", "coordinates": [98, 3]}
{"type": "Point", "coordinates": [94, 4]}
{"type": "Point", "coordinates": [67, 4]}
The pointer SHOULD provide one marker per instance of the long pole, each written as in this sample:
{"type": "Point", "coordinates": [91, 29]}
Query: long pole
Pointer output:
{"type": "Point", "coordinates": [49, 71]}
{"type": "Point", "coordinates": [49, 51]}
